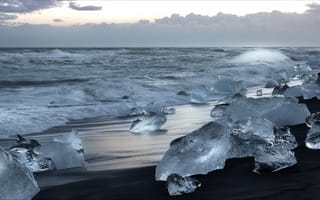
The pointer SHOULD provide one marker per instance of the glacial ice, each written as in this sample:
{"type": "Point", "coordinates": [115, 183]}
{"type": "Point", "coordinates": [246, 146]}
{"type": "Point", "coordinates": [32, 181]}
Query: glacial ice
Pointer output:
{"type": "Point", "coordinates": [313, 136]}
{"type": "Point", "coordinates": [199, 152]}
{"type": "Point", "coordinates": [148, 124]}
{"type": "Point", "coordinates": [227, 86]}
{"type": "Point", "coordinates": [281, 111]}
{"type": "Point", "coordinates": [199, 95]}
{"type": "Point", "coordinates": [63, 155]}
{"type": "Point", "coordinates": [271, 84]}
{"type": "Point", "coordinates": [207, 148]}
{"type": "Point", "coordinates": [178, 185]}
{"type": "Point", "coordinates": [26, 152]}
{"type": "Point", "coordinates": [17, 181]}
{"type": "Point", "coordinates": [168, 110]}
{"type": "Point", "coordinates": [259, 92]}
{"type": "Point", "coordinates": [280, 89]}
{"type": "Point", "coordinates": [281, 77]}
{"type": "Point", "coordinates": [71, 139]}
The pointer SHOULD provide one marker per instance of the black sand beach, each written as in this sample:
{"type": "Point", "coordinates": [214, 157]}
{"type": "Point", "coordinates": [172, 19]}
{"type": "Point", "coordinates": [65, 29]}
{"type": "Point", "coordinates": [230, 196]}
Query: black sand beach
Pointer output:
{"type": "Point", "coordinates": [235, 181]}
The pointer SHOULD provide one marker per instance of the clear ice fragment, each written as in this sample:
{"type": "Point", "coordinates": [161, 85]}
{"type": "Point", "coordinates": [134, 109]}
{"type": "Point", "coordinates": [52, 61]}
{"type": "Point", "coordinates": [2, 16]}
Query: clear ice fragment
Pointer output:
{"type": "Point", "coordinates": [168, 111]}
{"type": "Point", "coordinates": [17, 181]}
{"type": "Point", "coordinates": [148, 124]}
{"type": "Point", "coordinates": [313, 136]}
{"type": "Point", "coordinates": [71, 139]}
{"type": "Point", "coordinates": [178, 185]}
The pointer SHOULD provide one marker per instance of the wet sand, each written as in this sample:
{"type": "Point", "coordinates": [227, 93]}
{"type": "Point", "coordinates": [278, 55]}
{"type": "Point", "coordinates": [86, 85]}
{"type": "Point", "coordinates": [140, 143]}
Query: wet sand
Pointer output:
{"type": "Point", "coordinates": [235, 181]}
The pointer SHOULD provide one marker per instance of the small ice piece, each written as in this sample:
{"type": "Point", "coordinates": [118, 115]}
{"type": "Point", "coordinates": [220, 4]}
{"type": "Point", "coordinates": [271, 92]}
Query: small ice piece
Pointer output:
{"type": "Point", "coordinates": [137, 111]}
{"type": "Point", "coordinates": [279, 90]}
{"type": "Point", "coordinates": [199, 95]}
{"type": "Point", "coordinates": [287, 114]}
{"type": "Point", "coordinates": [199, 152]}
{"type": "Point", "coordinates": [168, 111]}
{"type": "Point", "coordinates": [63, 155]}
{"type": "Point", "coordinates": [309, 77]}
{"type": "Point", "coordinates": [229, 86]}
{"type": "Point", "coordinates": [26, 152]}
{"type": "Point", "coordinates": [219, 112]}
{"type": "Point", "coordinates": [271, 84]}
{"type": "Point", "coordinates": [281, 76]}
{"type": "Point", "coordinates": [150, 123]}
{"type": "Point", "coordinates": [271, 158]}
{"type": "Point", "coordinates": [17, 181]}
{"type": "Point", "coordinates": [299, 70]}
{"type": "Point", "coordinates": [259, 92]}
{"type": "Point", "coordinates": [313, 136]}
{"type": "Point", "coordinates": [72, 139]}
{"type": "Point", "coordinates": [178, 185]}
{"type": "Point", "coordinates": [284, 138]}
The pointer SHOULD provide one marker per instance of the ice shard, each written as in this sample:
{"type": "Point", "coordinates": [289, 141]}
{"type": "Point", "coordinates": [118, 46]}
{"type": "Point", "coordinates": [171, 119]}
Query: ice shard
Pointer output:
{"type": "Point", "coordinates": [71, 139]}
{"type": "Point", "coordinates": [281, 76]}
{"type": "Point", "coordinates": [227, 86]}
{"type": "Point", "coordinates": [199, 95]}
{"type": "Point", "coordinates": [17, 181]}
{"type": "Point", "coordinates": [168, 110]}
{"type": "Point", "coordinates": [148, 124]}
{"type": "Point", "coordinates": [178, 185]}
{"type": "Point", "coordinates": [313, 136]}
{"type": "Point", "coordinates": [199, 152]}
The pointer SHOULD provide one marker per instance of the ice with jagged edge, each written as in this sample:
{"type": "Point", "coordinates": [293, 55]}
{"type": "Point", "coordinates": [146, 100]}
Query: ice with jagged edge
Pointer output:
{"type": "Point", "coordinates": [150, 123]}
{"type": "Point", "coordinates": [200, 95]}
{"type": "Point", "coordinates": [178, 185]}
{"type": "Point", "coordinates": [313, 136]}
{"type": "Point", "coordinates": [71, 139]}
{"type": "Point", "coordinates": [281, 111]}
{"type": "Point", "coordinates": [281, 76]}
{"type": "Point", "coordinates": [17, 181]}
{"type": "Point", "coordinates": [26, 152]}
{"type": "Point", "coordinates": [168, 110]}
{"type": "Point", "coordinates": [228, 86]}
{"type": "Point", "coordinates": [207, 148]}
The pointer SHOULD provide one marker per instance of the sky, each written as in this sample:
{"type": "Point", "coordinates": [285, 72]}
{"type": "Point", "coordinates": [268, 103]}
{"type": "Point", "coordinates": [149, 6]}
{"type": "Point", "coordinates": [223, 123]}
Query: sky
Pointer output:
{"type": "Point", "coordinates": [106, 23]}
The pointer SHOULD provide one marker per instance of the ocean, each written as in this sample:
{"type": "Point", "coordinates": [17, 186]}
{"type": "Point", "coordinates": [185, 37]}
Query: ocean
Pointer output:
{"type": "Point", "coordinates": [42, 88]}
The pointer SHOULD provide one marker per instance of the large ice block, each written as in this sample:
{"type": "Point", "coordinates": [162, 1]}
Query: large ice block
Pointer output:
{"type": "Point", "coordinates": [148, 124]}
{"type": "Point", "coordinates": [178, 185]}
{"type": "Point", "coordinates": [227, 86]}
{"type": "Point", "coordinates": [199, 152]}
{"type": "Point", "coordinates": [313, 136]}
{"type": "Point", "coordinates": [16, 181]}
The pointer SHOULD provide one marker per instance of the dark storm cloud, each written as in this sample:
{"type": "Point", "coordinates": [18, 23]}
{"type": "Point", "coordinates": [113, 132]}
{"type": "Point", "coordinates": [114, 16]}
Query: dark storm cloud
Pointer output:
{"type": "Point", "coordinates": [260, 29]}
{"type": "Point", "coordinates": [75, 6]}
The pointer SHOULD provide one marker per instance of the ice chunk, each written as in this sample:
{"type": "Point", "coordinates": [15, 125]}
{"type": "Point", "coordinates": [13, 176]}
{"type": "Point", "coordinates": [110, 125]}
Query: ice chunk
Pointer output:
{"type": "Point", "coordinates": [294, 91]}
{"type": "Point", "coordinates": [168, 111]}
{"type": "Point", "coordinates": [287, 114]}
{"type": "Point", "coordinates": [313, 136]}
{"type": "Point", "coordinates": [26, 152]}
{"type": "Point", "coordinates": [199, 152]}
{"type": "Point", "coordinates": [271, 84]}
{"type": "Point", "coordinates": [218, 112]}
{"type": "Point", "coordinates": [199, 95]}
{"type": "Point", "coordinates": [71, 139]}
{"type": "Point", "coordinates": [284, 138]}
{"type": "Point", "coordinates": [63, 155]}
{"type": "Point", "coordinates": [281, 111]}
{"type": "Point", "coordinates": [299, 70]}
{"type": "Point", "coordinates": [281, 76]}
{"type": "Point", "coordinates": [310, 90]}
{"type": "Point", "coordinates": [259, 93]}
{"type": "Point", "coordinates": [271, 158]}
{"type": "Point", "coordinates": [309, 77]}
{"type": "Point", "coordinates": [137, 111]}
{"type": "Point", "coordinates": [150, 123]}
{"type": "Point", "coordinates": [178, 185]}
{"type": "Point", "coordinates": [279, 90]}
{"type": "Point", "coordinates": [17, 181]}
{"type": "Point", "coordinates": [227, 86]}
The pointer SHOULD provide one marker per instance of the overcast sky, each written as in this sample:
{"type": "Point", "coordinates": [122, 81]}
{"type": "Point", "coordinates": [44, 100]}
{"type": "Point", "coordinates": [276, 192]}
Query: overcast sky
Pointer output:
{"type": "Point", "coordinates": [57, 23]}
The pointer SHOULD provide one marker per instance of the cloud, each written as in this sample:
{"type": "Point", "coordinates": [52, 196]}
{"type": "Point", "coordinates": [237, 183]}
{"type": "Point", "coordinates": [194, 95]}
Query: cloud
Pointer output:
{"type": "Point", "coordinates": [24, 6]}
{"type": "Point", "coordinates": [4, 17]}
{"type": "Point", "coordinates": [57, 20]}
{"type": "Point", "coordinates": [260, 29]}
{"type": "Point", "coordinates": [313, 8]}
{"type": "Point", "coordinates": [76, 6]}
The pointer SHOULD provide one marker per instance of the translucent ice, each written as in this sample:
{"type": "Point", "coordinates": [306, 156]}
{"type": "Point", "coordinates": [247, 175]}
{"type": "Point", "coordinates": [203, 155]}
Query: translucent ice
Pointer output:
{"type": "Point", "coordinates": [178, 185]}
{"type": "Point", "coordinates": [229, 86]}
{"type": "Point", "coordinates": [71, 139]}
{"type": "Point", "coordinates": [281, 77]}
{"type": "Point", "coordinates": [281, 111]}
{"type": "Point", "coordinates": [218, 112]}
{"type": "Point", "coordinates": [259, 93]}
{"type": "Point", "coordinates": [271, 84]}
{"type": "Point", "coordinates": [199, 95]}
{"type": "Point", "coordinates": [168, 110]}
{"type": "Point", "coordinates": [280, 89]}
{"type": "Point", "coordinates": [148, 124]}
{"type": "Point", "coordinates": [17, 181]}
{"type": "Point", "coordinates": [313, 136]}
{"type": "Point", "coordinates": [26, 152]}
{"type": "Point", "coordinates": [199, 152]}
{"type": "Point", "coordinates": [63, 155]}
